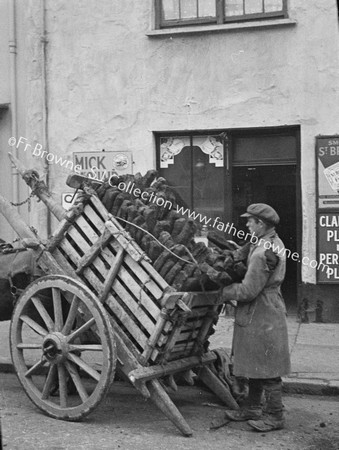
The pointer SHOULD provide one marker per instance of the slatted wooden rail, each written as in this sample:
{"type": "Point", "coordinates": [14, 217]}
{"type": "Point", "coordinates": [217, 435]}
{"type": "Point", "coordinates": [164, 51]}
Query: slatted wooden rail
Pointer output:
{"type": "Point", "coordinates": [158, 332]}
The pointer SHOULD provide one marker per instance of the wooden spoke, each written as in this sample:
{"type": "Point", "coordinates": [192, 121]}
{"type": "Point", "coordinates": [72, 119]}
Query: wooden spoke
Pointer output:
{"type": "Point", "coordinates": [72, 314]}
{"type": "Point", "coordinates": [50, 379]}
{"type": "Point", "coordinates": [35, 367]}
{"type": "Point", "coordinates": [85, 347]}
{"type": "Point", "coordinates": [86, 326]}
{"type": "Point", "coordinates": [54, 335]}
{"type": "Point", "coordinates": [33, 325]}
{"type": "Point", "coordinates": [84, 366]}
{"type": "Point", "coordinates": [72, 370]}
{"type": "Point", "coordinates": [57, 305]}
{"type": "Point", "coordinates": [24, 346]}
{"type": "Point", "coordinates": [62, 385]}
{"type": "Point", "coordinates": [43, 313]}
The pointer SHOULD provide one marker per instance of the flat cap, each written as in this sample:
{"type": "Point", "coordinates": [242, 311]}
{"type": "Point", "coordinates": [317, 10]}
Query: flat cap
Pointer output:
{"type": "Point", "coordinates": [263, 212]}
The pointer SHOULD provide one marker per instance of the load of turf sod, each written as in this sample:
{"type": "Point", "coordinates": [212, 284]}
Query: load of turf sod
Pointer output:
{"type": "Point", "coordinates": [146, 207]}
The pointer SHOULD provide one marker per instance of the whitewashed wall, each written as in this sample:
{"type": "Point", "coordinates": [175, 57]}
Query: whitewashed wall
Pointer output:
{"type": "Point", "coordinates": [110, 86]}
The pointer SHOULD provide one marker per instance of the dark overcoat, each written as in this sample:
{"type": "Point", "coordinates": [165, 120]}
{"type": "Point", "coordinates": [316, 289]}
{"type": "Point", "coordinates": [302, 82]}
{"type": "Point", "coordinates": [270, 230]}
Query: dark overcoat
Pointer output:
{"type": "Point", "coordinates": [260, 340]}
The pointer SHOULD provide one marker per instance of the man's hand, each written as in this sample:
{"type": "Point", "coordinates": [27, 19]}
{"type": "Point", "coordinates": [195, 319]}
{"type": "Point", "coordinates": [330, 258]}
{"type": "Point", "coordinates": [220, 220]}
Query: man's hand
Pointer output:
{"type": "Point", "coordinates": [272, 259]}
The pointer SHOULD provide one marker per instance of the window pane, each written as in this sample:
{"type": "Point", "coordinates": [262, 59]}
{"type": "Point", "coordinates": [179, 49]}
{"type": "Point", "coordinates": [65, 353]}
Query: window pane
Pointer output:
{"type": "Point", "coordinates": [170, 9]}
{"type": "Point", "coordinates": [207, 8]}
{"type": "Point", "coordinates": [208, 186]}
{"type": "Point", "coordinates": [234, 7]}
{"type": "Point", "coordinates": [189, 9]}
{"type": "Point", "coordinates": [273, 5]}
{"type": "Point", "coordinates": [253, 6]}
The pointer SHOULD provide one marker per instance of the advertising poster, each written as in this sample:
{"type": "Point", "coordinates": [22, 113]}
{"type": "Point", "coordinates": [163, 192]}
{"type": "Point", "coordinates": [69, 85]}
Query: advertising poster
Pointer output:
{"type": "Point", "coordinates": [327, 152]}
{"type": "Point", "coordinates": [328, 247]}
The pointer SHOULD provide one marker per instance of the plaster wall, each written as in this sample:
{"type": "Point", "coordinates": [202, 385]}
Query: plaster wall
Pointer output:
{"type": "Point", "coordinates": [9, 83]}
{"type": "Point", "coordinates": [110, 86]}
{"type": "Point", "coordinates": [4, 53]}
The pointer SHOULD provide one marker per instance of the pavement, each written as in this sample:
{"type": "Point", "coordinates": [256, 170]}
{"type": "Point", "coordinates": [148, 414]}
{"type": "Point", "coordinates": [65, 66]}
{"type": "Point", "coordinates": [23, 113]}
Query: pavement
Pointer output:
{"type": "Point", "coordinates": [314, 349]}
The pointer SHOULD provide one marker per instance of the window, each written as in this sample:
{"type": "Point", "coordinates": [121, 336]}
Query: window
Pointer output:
{"type": "Point", "coordinates": [195, 165]}
{"type": "Point", "coordinates": [174, 13]}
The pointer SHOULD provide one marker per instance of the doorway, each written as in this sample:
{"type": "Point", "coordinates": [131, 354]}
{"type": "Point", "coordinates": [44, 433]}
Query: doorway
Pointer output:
{"type": "Point", "coordinates": [275, 185]}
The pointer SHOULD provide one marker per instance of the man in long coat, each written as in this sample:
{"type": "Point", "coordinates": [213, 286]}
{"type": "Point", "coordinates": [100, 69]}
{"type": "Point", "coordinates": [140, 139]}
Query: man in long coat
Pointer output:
{"type": "Point", "coordinates": [260, 341]}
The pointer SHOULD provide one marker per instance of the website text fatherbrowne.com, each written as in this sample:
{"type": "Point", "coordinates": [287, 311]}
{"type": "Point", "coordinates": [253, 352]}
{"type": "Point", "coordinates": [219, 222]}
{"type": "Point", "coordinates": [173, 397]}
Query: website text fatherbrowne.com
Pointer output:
{"type": "Point", "coordinates": [152, 198]}
{"type": "Point", "coordinates": [221, 226]}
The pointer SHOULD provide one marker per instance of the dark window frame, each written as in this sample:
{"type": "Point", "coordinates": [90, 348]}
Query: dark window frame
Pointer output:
{"type": "Point", "coordinates": [220, 17]}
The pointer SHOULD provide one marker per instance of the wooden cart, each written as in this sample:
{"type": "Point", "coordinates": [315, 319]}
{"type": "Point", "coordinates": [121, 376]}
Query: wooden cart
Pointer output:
{"type": "Point", "coordinates": [101, 306]}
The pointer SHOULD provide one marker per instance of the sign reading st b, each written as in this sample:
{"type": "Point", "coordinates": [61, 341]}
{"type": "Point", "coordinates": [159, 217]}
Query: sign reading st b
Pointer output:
{"type": "Point", "coordinates": [101, 165]}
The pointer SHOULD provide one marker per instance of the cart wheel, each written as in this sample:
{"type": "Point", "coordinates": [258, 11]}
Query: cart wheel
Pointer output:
{"type": "Point", "coordinates": [62, 347]}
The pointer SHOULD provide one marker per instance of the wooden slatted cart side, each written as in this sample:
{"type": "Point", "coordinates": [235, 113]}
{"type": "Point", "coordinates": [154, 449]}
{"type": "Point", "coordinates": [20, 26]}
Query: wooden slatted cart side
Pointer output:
{"type": "Point", "coordinates": [158, 332]}
{"type": "Point", "coordinates": [158, 325]}
{"type": "Point", "coordinates": [152, 323]}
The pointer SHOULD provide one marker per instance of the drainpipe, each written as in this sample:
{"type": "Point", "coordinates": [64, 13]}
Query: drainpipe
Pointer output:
{"type": "Point", "coordinates": [13, 94]}
{"type": "Point", "coordinates": [45, 107]}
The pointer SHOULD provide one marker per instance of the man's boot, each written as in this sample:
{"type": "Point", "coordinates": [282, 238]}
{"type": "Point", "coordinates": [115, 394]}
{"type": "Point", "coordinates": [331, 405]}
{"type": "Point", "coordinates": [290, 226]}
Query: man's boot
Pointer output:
{"type": "Point", "coordinates": [241, 415]}
{"type": "Point", "coordinates": [253, 409]}
{"type": "Point", "coordinates": [273, 417]}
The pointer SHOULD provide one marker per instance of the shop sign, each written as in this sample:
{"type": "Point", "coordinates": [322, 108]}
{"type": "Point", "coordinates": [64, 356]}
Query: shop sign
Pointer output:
{"type": "Point", "coordinates": [327, 157]}
{"type": "Point", "coordinates": [328, 247]}
{"type": "Point", "coordinates": [101, 165]}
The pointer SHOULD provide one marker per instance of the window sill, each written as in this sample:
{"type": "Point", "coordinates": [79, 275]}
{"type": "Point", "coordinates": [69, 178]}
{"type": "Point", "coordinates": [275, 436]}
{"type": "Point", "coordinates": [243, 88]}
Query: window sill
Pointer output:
{"type": "Point", "coordinates": [200, 29]}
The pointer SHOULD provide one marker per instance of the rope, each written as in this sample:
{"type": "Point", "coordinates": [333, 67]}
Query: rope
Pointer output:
{"type": "Point", "coordinates": [195, 262]}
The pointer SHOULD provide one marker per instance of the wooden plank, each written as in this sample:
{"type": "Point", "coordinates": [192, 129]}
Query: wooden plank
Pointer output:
{"type": "Point", "coordinates": [188, 335]}
{"type": "Point", "coordinates": [141, 297]}
{"type": "Point", "coordinates": [179, 322]}
{"type": "Point", "coordinates": [127, 353]}
{"type": "Point", "coordinates": [140, 273]}
{"type": "Point", "coordinates": [205, 328]}
{"type": "Point", "coordinates": [97, 221]}
{"type": "Point", "coordinates": [132, 303]}
{"type": "Point", "coordinates": [135, 267]}
{"type": "Point", "coordinates": [62, 261]}
{"type": "Point", "coordinates": [94, 251]}
{"type": "Point", "coordinates": [182, 351]}
{"type": "Point", "coordinates": [162, 340]}
{"type": "Point", "coordinates": [48, 264]}
{"type": "Point", "coordinates": [60, 231]}
{"type": "Point", "coordinates": [193, 325]}
{"type": "Point", "coordinates": [129, 324]}
{"type": "Point", "coordinates": [219, 388]}
{"type": "Point", "coordinates": [188, 332]}
{"type": "Point", "coordinates": [154, 274]}
{"type": "Point", "coordinates": [154, 338]}
{"type": "Point", "coordinates": [116, 229]}
{"type": "Point", "coordinates": [143, 263]}
{"type": "Point", "coordinates": [131, 327]}
{"type": "Point", "coordinates": [140, 317]}
{"type": "Point", "coordinates": [170, 299]}
{"type": "Point", "coordinates": [91, 233]}
{"type": "Point", "coordinates": [126, 241]}
{"type": "Point", "coordinates": [157, 371]}
{"type": "Point", "coordinates": [100, 208]}
{"type": "Point", "coordinates": [112, 274]}
{"type": "Point", "coordinates": [129, 301]}
{"type": "Point", "coordinates": [144, 277]}
{"type": "Point", "coordinates": [165, 404]}
{"type": "Point", "coordinates": [71, 252]}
